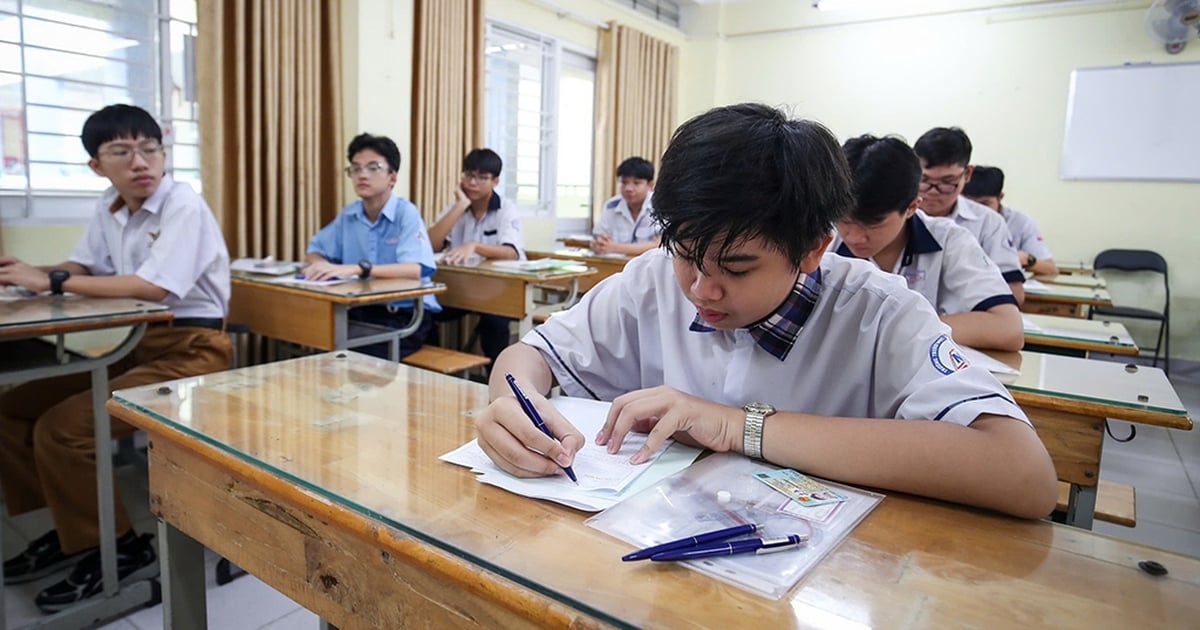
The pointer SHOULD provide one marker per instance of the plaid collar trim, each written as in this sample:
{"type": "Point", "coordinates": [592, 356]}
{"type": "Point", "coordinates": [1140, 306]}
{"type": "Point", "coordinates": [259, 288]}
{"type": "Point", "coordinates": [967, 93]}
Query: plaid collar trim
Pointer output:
{"type": "Point", "coordinates": [777, 333]}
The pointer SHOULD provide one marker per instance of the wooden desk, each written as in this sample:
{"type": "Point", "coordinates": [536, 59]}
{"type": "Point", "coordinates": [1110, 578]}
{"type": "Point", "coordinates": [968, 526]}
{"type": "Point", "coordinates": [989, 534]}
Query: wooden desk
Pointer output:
{"type": "Point", "coordinates": [1076, 337]}
{"type": "Point", "coordinates": [340, 503]}
{"type": "Point", "coordinates": [604, 265]}
{"type": "Point", "coordinates": [317, 315]}
{"type": "Point", "coordinates": [1075, 268]}
{"type": "Point", "coordinates": [1068, 400]}
{"type": "Point", "coordinates": [25, 357]}
{"type": "Point", "coordinates": [1063, 300]}
{"type": "Point", "coordinates": [1074, 280]}
{"type": "Point", "coordinates": [503, 291]}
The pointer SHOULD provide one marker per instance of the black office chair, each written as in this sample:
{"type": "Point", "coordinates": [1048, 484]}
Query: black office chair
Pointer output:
{"type": "Point", "coordinates": [1133, 261]}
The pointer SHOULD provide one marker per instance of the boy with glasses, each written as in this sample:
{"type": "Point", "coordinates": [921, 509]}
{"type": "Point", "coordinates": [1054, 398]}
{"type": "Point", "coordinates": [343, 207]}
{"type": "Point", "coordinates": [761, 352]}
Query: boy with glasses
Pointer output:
{"type": "Point", "coordinates": [152, 239]}
{"type": "Point", "coordinates": [742, 335]}
{"type": "Point", "coordinates": [479, 224]}
{"type": "Point", "coordinates": [945, 155]}
{"type": "Point", "coordinates": [987, 187]}
{"type": "Point", "coordinates": [378, 236]}
{"type": "Point", "coordinates": [628, 225]}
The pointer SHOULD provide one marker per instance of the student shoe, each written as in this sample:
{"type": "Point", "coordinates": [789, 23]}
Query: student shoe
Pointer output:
{"type": "Point", "coordinates": [136, 561]}
{"type": "Point", "coordinates": [42, 557]}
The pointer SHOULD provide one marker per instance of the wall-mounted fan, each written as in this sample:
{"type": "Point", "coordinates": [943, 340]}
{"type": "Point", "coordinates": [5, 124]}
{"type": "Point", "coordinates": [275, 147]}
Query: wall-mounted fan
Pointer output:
{"type": "Point", "coordinates": [1174, 22]}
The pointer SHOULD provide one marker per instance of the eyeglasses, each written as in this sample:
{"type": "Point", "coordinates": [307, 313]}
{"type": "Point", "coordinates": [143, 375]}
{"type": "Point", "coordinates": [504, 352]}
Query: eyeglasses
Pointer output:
{"type": "Point", "coordinates": [469, 176]}
{"type": "Point", "coordinates": [374, 168]}
{"type": "Point", "coordinates": [943, 187]}
{"type": "Point", "coordinates": [125, 154]}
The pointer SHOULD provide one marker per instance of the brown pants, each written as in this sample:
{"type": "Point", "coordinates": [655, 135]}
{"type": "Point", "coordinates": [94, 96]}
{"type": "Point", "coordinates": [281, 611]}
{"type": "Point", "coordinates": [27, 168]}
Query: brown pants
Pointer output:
{"type": "Point", "coordinates": [47, 434]}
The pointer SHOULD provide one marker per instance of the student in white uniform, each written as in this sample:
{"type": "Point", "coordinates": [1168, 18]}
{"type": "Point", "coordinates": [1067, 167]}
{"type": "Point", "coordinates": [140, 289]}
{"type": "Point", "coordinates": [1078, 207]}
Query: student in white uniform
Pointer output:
{"type": "Point", "coordinates": [150, 239]}
{"type": "Point", "coordinates": [627, 225]}
{"type": "Point", "coordinates": [937, 258]}
{"type": "Point", "coordinates": [945, 163]}
{"type": "Point", "coordinates": [479, 224]}
{"type": "Point", "coordinates": [741, 335]}
{"type": "Point", "coordinates": [987, 187]}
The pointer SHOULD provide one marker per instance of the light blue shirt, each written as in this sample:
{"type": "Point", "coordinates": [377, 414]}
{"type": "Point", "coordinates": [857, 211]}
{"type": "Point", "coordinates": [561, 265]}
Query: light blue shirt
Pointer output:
{"type": "Point", "coordinates": [398, 236]}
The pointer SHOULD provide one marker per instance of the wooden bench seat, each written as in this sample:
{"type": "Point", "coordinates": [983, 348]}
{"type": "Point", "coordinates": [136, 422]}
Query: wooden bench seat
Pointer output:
{"type": "Point", "coordinates": [1115, 502]}
{"type": "Point", "coordinates": [444, 361]}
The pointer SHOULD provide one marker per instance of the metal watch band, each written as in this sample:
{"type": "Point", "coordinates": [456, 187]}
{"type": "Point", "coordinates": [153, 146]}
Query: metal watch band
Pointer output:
{"type": "Point", "coordinates": [752, 435]}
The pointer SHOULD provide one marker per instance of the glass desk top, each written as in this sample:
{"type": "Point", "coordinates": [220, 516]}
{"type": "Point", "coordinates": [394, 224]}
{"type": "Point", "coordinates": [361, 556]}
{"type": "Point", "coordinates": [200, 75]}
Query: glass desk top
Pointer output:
{"type": "Point", "coordinates": [1076, 329]}
{"type": "Point", "coordinates": [492, 268]}
{"type": "Point", "coordinates": [1065, 292]}
{"type": "Point", "coordinates": [394, 288]}
{"type": "Point", "coordinates": [69, 313]}
{"type": "Point", "coordinates": [1132, 387]}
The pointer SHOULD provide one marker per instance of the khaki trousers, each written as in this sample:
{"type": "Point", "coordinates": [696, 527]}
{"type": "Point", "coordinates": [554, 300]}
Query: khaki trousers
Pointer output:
{"type": "Point", "coordinates": [47, 434]}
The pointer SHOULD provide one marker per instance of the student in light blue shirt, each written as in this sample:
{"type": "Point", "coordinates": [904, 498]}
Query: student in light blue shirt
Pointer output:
{"type": "Point", "coordinates": [379, 236]}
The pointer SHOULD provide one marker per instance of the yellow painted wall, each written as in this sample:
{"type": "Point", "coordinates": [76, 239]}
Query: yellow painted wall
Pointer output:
{"type": "Point", "coordinates": [1001, 76]}
{"type": "Point", "coordinates": [39, 244]}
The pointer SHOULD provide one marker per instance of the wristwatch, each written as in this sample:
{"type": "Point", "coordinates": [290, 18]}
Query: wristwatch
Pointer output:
{"type": "Point", "coordinates": [57, 278]}
{"type": "Point", "coordinates": [1031, 262]}
{"type": "Point", "coordinates": [756, 413]}
{"type": "Point", "coordinates": [365, 269]}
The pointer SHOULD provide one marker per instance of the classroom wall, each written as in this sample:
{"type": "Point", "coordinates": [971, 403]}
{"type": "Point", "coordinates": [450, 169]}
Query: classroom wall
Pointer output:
{"type": "Point", "coordinates": [1002, 76]}
{"type": "Point", "coordinates": [40, 244]}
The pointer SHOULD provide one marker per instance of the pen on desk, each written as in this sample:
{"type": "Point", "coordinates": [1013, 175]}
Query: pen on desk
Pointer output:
{"type": "Point", "coordinates": [753, 545]}
{"type": "Point", "coordinates": [691, 541]}
{"type": "Point", "coordinates": [531, 412]}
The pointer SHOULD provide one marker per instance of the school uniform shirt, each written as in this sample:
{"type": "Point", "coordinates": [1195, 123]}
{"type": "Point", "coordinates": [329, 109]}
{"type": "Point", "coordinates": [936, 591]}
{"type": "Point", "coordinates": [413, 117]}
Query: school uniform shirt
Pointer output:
{"type": "Point", "coordinates": [500, 225]}
{"type": "Point", "coordinates": [397, 236]}
{"type": "Point", "coordinates": [1027, 237]}
{"type": "Point", "coordinates": [850, 341]}
{"type": "Point", "coordinates": [618, 223]}
{"type": "Point", "coordinates": [989, 229]}
{"type": "Point", "coordinates": [944, 263]}
{"type": "Point", "coordinates": [172, 242]}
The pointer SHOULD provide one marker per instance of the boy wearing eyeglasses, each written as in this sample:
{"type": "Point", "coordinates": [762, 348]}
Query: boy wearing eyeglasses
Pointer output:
{"type": "Point", "coordinates": [627, 225]}
{"type": "Point", "coordinates": [936, 257]}
{"type": "Point", "coordinates": [741, 334]}
{"type": "Point", "coordinates": [945, 155]}
{"type": "Point", "coordinates": [987, 187]}
{"type": "Point", "coordinates": [377, 236]}
{"type": "Point", "coordinates": [151, 238]}
{"type": "Point", "coordinates": [479, 224]}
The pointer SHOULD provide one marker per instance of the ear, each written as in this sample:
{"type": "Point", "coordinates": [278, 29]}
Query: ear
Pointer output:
{"type": "Point", "coordinates": [1000, 198]}
{"type": "Point", "coordinates": [94, 164]}
{"type": "Point", "coordinates": [970, 171]}
{"type": "Point", "coordinates": [812, 259]}
{"type": "Point", "coordinates": [912, 207]}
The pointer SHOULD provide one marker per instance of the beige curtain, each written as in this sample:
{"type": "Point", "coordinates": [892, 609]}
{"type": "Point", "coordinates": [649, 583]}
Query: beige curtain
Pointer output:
{"type": "Point", "coordinates": [270, 120]}
{"type": "Point", "coordinates": [448, 106]}
{"type": "Point", "coordinates": [637, 79]}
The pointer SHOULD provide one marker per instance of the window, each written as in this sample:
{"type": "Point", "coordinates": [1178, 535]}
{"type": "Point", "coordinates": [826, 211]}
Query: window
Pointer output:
{"type": "Point", "coordinates": [60, 60]}
{"type": "Point", "coordinates": [540, 100]}
{"type": "Point", "coordinates": [665, 11]}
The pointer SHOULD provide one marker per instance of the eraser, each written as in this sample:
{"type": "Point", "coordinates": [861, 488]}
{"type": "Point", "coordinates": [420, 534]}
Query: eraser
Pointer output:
{"type": "Point", "coordinates": [723, 496]}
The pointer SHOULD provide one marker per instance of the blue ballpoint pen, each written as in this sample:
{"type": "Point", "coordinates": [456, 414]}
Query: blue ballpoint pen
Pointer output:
{"type": "Point", "coordinates": [752, 545]}
{"type": "Point", "coordinates": [691, 541]}
{"type": "Point", "coordinates": [531, 412]}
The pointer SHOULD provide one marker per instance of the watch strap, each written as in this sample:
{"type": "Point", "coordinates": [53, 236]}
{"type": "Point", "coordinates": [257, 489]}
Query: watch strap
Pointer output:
{"type": "Point", "coordinates": [752, 434]}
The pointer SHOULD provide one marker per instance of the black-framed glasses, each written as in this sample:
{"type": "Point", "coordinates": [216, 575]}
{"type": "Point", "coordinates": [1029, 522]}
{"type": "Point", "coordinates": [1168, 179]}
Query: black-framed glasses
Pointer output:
{"type": "Point", "coordinates": [125, 154]}
{"type": "Point", "coordinates": [476, 176]}
{"type": "Point", "coordinates": [374, 168]}
{"type": "Point", "coordinates": [942, 187]}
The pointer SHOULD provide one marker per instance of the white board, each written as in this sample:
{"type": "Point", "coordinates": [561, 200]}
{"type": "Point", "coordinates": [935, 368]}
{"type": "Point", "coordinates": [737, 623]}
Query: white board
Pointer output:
{"type": "Point", "coordinates": [1133, 122]}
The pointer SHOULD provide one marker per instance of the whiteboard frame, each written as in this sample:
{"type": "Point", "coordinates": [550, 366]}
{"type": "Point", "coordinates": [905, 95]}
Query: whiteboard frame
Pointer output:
{"type": "Point", "coordinates": [1071, 97]}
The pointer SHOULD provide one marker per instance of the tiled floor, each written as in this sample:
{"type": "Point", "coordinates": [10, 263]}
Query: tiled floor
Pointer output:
{"type": "Point", "coordinates": [1163, 465]}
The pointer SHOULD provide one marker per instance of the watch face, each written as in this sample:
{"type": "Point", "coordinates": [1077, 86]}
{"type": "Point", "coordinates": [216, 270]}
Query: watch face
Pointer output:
{"type": "Point", "coordinates": [760, 408]}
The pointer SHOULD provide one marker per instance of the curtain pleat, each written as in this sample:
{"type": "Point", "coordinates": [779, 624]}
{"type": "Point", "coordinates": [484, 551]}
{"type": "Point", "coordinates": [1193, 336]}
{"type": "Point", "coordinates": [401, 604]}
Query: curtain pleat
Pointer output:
{"type": "Point", "coordinates": [448, 100]}
{"type": "Point", "coordinates": [636, 91]}
{"type": "Point", "coordinates": [270, 120]}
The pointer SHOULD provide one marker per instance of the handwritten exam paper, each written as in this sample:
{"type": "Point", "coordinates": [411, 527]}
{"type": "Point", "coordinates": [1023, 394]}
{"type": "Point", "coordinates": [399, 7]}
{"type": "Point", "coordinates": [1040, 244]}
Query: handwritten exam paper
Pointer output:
{"type": "Point", "coordinates": [604, 479]}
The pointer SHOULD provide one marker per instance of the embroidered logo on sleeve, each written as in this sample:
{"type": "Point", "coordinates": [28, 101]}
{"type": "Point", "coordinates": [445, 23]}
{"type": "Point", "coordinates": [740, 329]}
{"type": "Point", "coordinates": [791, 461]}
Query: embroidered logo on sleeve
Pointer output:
{"type": "Point", "coordinates": [154, 235]}
{"type": "Point", "coordinates": [945, 357]}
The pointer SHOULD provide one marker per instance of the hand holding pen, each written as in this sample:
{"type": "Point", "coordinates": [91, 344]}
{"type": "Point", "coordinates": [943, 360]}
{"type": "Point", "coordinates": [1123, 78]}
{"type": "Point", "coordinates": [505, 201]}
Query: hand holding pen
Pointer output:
{"type": "Point", "coordinates": [532, 413]}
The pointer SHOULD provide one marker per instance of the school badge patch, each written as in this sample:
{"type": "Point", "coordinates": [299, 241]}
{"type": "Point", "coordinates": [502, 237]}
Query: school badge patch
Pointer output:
{"type": "Point", "coordinates": [945, 357]}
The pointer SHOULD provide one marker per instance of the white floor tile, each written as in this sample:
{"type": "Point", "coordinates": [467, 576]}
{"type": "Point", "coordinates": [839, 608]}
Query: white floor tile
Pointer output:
{"type": "Point", "coordinates": [119, 624]}
{"type": "Point", "coordinates": [1182, 512]}
{"type": "Point", "coordinates": [244, 604]}
{"type": "Point", "coordinates": [299, 619]}
{"type": "Point", "coordinates": [1155, 535]}
{"type": "Point", "coordinates": [1158, 474]}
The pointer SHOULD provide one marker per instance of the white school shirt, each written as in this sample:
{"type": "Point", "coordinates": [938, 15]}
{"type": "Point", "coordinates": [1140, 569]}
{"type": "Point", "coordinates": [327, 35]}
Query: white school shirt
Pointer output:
{"type": "Point", "coordinates": [943, 262]}
{"type": "Point", "coordinates": [989, 229]}
{"type": "Point", "coordinates": [1027, 237]}
{"type": "Point", "coordinates": [172, 242]}
{"type": "Point", "coordinates": [870, 348]}
{"type": "Point", "coordinates": [618, 223]}
{"type": "Point", "coordinates": [500, 225]}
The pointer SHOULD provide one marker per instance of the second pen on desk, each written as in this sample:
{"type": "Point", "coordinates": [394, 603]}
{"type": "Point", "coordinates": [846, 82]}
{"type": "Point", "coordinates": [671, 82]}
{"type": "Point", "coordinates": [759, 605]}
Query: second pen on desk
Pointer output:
{"type": "Point", "coordinates": [531, 412]}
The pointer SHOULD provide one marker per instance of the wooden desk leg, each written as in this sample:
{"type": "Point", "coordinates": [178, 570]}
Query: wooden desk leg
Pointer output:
{"type": "Point", "coordinates": [181, 560]}
{"type": "Point", "coordinates": [1074, 442]}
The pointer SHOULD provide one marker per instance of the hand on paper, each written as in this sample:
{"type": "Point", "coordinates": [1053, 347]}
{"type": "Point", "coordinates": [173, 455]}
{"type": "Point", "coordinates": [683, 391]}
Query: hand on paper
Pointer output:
{"type": "Point", "coordinates": [16, 273]}
{"type": "Point", "coordinates": [325, 270]}
{"type": "Point", "coordinates": [516, 445]}
{"type": "Point", "coordinates": [602, 244]}
{"type": "Point", "coordinates": [460, 255]}
{"type": "Point", "coordinates": [665, 412]}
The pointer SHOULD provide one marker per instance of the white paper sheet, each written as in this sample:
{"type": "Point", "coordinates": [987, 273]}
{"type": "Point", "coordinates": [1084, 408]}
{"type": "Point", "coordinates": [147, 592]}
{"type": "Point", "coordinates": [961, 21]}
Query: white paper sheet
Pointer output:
{"type": "Point", "coordinates": [1001, 370]}
{"type": "Point", "coordinates": [1036, 286]}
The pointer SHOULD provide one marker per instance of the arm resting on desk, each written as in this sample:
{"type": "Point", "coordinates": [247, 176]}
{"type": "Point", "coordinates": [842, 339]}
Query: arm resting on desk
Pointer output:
{"type": "Point", "coordinates": [115, 286]}
{"type": "Point", "coordinates": [998, 328]}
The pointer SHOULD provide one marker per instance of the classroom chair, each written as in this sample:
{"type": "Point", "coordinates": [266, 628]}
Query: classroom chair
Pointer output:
{"type": "Point", "coordinates": [1135, 263]}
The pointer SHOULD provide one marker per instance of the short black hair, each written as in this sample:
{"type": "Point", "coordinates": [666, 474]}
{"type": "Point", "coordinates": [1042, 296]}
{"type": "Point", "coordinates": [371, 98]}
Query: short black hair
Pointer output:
{"type": "Point", "coordinates": [636, 168]}
{"type": "Point", "coordinates": [382, 145]}
{"type": "Point", "coordinates": [944, 146]}
{"type": "Point", "coordinates": [747, 171]}
{"type": "Point", "coordinates": [483, 161]}
{"type": "Point", "coordinates": [118, 121]}
{"type": "Point", "coordinates": [886, 176]}
{"type": "Point", "coordinates": [986, 181]}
